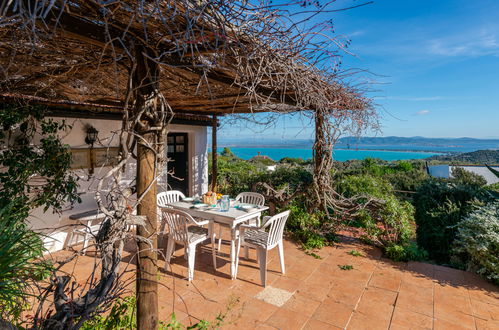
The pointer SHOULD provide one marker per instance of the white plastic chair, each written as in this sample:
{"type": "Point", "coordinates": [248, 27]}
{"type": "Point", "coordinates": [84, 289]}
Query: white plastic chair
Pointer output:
{"type": "Point", "coordinates": [183, 229]}
{"type": "Point", "coordinates": [88, 233]}
{"type": "Point", "coordinates": [171, 196]}
{"type": "Point", "coordinates": [247, 198]}
{"type": "Point", "coordinates": [163, 199]}
{"type": "Point", "coordinates": [264, 239]}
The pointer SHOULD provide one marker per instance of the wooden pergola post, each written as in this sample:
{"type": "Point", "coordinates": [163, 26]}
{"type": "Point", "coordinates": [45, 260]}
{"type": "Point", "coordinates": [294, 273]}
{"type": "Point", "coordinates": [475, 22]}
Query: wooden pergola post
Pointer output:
{"type": "Point", "coordinates": [147, 276]}
{"type": "Point", "coordinates": [214, 169]}
{"type": "Point", "coordinates": [321, 171]}
{"type": "Point", "coordinates": [145, 81]}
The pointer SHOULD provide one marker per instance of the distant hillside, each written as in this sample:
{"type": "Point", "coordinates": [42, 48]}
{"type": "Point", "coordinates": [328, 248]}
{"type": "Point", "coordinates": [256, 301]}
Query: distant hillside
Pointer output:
{"type": "Point", "coordinates": [463, 144]}
{"type": "Point", "coordinates": [416, 143]}
{"type": "Point", "coordinates": [475, 157]}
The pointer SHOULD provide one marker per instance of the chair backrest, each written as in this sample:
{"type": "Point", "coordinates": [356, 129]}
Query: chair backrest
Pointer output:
{"type": "Point", "coordinates": [168, 197]}
{"type": "Point", "coordinates": [276, 230]}
{"type": "Point", "coordinates": [177, 222]}
{"type": "Point", "coordinates": [251, 198]}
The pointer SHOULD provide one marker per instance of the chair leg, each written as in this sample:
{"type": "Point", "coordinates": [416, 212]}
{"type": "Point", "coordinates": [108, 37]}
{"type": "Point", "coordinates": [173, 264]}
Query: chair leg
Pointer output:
{"type": "Point", "coordinates": [69, 240]}
{"type": "Point", "coordinates": [262, 257]}
{"type": "Point", "coordinates": [162, 226]}
{"type": "Point", "coordinates": [170, 246]}
{"type": "Point", "coordinates": [246, 252]}
{"type": "Point", "coordinates": [219, 237]}
{"type": "Point", "coordinates": [191, 255]}
{"type": "Point", "coordinates": [86, 239]}
{"type": "Point", "coordinates": [280, 247]}
{"type": "Point", "coordinates": [238, 250]}
{"type": "Point", "coordinates": [213, 250]}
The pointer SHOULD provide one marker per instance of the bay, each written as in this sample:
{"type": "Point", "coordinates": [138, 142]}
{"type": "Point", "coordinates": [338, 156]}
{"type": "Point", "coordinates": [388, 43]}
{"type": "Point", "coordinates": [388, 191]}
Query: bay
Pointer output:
{"type": "Point", "coordinates": [339, 154]}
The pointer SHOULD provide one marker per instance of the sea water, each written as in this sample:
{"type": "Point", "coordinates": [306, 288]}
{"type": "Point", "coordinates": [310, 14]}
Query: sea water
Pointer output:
{"type": "Point", "coordinates": [339, 154]}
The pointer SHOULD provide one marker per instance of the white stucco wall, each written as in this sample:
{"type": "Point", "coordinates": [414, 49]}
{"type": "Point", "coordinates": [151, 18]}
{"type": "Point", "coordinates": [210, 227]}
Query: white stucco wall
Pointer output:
{"type": "Point", "coordinates": [480, 170]}
{"type": "Point", "coordinates": [57, 226]}
{"type": "Point", "coordinates": [439, 171]}
{"type": "Point", "coordinates": [445, 171]}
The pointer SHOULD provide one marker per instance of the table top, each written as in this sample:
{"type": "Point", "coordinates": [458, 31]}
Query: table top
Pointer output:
{"type": "Point", "coordinates": [88, 215]}
{"type": "Point", "coordinates": [215, 213]}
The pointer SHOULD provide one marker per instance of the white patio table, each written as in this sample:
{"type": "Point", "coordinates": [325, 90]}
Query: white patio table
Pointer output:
{"type": "Point", "coordinates": [233, 218]}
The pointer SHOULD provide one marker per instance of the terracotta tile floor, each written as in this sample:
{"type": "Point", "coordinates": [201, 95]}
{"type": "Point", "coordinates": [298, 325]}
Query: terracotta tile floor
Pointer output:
{"type": "Point", "coordinates": [375, 294]}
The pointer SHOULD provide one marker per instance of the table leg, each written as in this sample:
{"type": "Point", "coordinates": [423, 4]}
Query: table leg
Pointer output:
{"type": "Point", "coordinates": [232, 252]}
{"type": "Point", "coordinates": [234, 236]}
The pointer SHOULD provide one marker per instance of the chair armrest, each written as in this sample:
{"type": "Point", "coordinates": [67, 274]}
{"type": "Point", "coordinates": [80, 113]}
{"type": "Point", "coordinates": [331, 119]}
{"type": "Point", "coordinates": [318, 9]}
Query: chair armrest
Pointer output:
{"type": "Point", "coordinates": [248, 226]}
{"type": "Point", "coordinates": [202, 222]}
{"type": "Point", "coordinates": [266, 222]}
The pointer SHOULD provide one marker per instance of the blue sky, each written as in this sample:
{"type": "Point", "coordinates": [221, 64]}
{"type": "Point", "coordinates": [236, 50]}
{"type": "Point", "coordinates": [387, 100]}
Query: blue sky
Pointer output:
{"type": "Point", "coordinates": [435, 64]}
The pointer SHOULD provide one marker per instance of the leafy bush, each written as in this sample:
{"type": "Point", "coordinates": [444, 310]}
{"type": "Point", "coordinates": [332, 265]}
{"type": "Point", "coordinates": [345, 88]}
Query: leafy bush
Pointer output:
{"type": "Point", "coordinates": [226, 152]}
{"type": "Point", "coordinates": [477, 241]}
{"type": "Point", "coordinates": [389, 223]}
{"type": "Point", "coordinates": [286, 176]}
{"type": "Point", "coordinates": [385, 222]}
{"type": "Point", "coordinates": [407, 181]}
{"type": "Point", "coordinates": [32, 148]}
{"type": "Point", "coordinates": [461, 176]}
{"type": "Point", "coordinates": [235, 175]}
{"type": "Point", "coordinates": [306, 227]}
{"type": "Point", "coordinates": [406, 252]}
{"type": "Point", "coordinates": [355, 185]}
{"type": "Point", "coordinates": [440, 205]}
{"type": "Point", "coordinates": [262, 161]}
{"type": "Point", "coordinates": [493, 187]}
{"type": "Point", "coordinates": [19, 250]}
{"type": "Point", "coordinates": [294, 161]}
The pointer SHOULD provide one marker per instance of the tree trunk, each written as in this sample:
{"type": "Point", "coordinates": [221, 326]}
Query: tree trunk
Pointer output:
{"type": "Point", "coordinates": [147, 269]}
{"type": "Point", "coordinates": [148, 102]}
{"type": "Point", "coordinates": [322, 163]}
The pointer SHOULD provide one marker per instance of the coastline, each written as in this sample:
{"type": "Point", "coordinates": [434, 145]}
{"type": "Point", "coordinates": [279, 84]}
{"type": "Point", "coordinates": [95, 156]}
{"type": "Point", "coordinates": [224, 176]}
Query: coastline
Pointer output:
{"type": "Point", "coordinates": [440, 152]}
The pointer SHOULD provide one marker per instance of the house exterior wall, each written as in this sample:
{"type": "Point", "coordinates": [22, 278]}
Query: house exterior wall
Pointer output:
{"type": "Point", "coordinates": [480, 170]}
{"type": "Point", "coordinates": [439, 171]}
{"type": "Point", "coordinates": [445, 171]}
{"type": "Point", "coordinates": [57, 226]}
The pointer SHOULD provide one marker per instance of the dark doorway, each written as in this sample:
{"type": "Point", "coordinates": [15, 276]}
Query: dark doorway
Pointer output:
{"type": "Point", "coordinates": [178, 162]}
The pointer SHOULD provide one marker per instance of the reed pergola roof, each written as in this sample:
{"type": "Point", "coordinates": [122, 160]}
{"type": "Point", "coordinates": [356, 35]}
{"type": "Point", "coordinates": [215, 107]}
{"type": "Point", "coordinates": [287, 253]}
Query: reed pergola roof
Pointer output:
{"type": "Point", "coordinates": [77, 53]}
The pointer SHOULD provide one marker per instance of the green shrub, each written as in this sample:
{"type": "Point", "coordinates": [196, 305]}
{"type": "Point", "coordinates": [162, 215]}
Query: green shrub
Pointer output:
{"type": "Point", "coordinates": [19, 250]}
{"type": "Point", "coordinates": [397, 219]}
{"type": "Point", "coordinates": [388, 222]}
{"type": "Point", "coordinates": [226, 152]}
{"type": "Point", "coordinates": [493, 187]}
{"type": "Point", "coordinates": [306, 227]}
{"type": "Point", "coordinates": [290, 177]}
{"type": "Point", "coordinates": [32, 149]}
{"type": "Point", "coordinates": [404, 166]}
{"type": "Point", "coordinates": [295, 161]}
{"type": "Point", "coordinates": [477, 241]}
{"type": "Point", "coordinates": [440, 205]}
{"type": "Point", "coordinates": [407, 181]}
{"type": "Point", "coordinates": [235, 175]}
{"type": "Point", "coordinates": [406, 252]}
{"type": "Point", "coordinates": [395, 252]}
{"type": "Point", "coordinates": [355, 185]}
{"type": "Point", "coordinates": [461, 176]}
